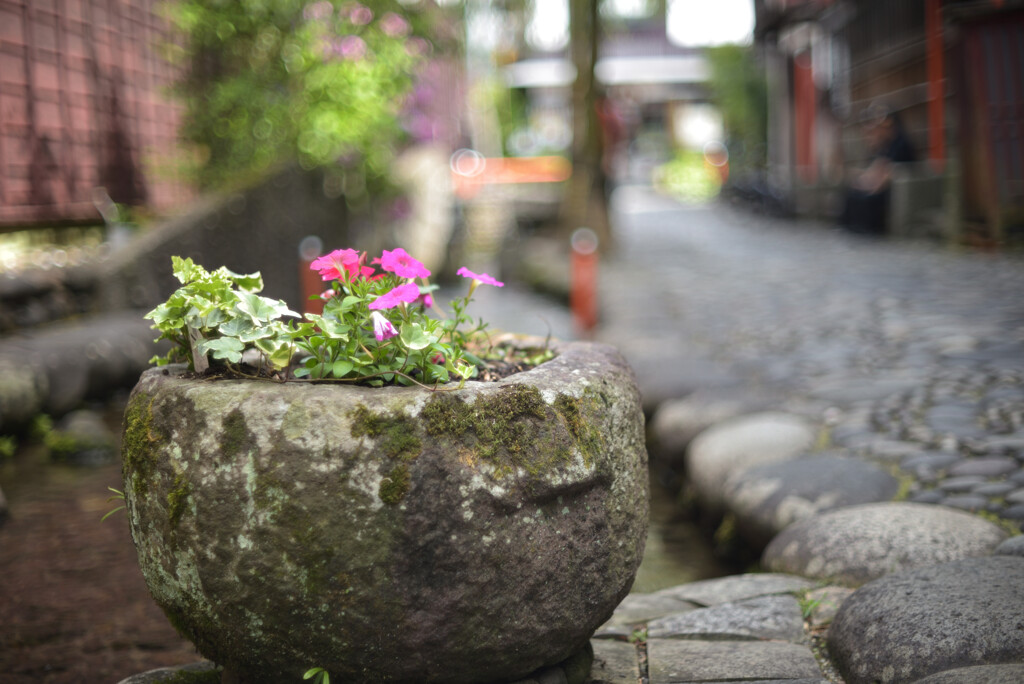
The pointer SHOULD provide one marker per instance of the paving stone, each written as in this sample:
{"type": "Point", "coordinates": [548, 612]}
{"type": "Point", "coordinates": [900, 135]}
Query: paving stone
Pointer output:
{"type": "Point", "coordinates": [671, 661]}
{"type": "Point", "coordinates": [991, 466]}
{"type": "Point", "coordinates": [1012, 673]}
{"type": "Point", "coordinates": [928, 496]}
{"type": "Point", "coordinates": [615, 662]}
{"type": "Point", "coordinates": [964, 483]}
{"type": "Point", "coordinates": [1016, 496]}
{"type": "Point", "coordinates": [851, 390]}
{"type": "Point", "coordinates": [740, 443]}
{"type": "Point", "coordinates": [915, 623]}
{"type": "Point", "coordinates": [930, 460]}
{"type": "Point", "coordinates": [713, 592]}
{"type": "Point", "coordinates": [768, 498]}
{"type": "Point", "coordinates": [857, 544]}
{"type": "Point", "coordinates": [1017, 477]}
{"type": "Point", "coordinates": [994, 489]}
{"type": "Point", "coordinates": [767, 617]}
{"type": "Point", "coordinates": [636, 608]}
{"type": "Point", "coordinates": [966, 502]}
{"type": "Point", "coordinates": [892, 450]}
{"type": "Point", "coordinates": [1015, 512]}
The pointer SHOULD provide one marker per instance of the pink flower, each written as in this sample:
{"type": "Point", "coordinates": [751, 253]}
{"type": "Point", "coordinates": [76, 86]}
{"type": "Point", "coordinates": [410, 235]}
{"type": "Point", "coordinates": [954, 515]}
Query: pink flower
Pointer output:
{"type": "Point", "coordinates": [327, 294]}
{"type": "Point", "coordinates": [407, 293]}
{"type": "Point", "coordinates": [394, 25]}
{"type": "Point", "coordinates": [350, 47]}
{"type": "Point", "coordinates": [318, 11]}
{"type": "Point", "coordinates": [481, 277]}
{"type": "Point", "coordinates": [402, 265]}
{"type": "Point", "coordinates": [337, 264]}
{"type": "Point", "coordinates": [382, 327]}
{"type": "Point", "coordinates": [426, 300]}
{"type": "Point", "coordinates": [360, 15]}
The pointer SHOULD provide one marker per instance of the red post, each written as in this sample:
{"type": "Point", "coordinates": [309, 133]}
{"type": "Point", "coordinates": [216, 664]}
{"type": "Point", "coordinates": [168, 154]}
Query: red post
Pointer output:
{"type": "Point", "coordinates": [309, 281]}
{"type": "Point", "coordinates": [583, 280]}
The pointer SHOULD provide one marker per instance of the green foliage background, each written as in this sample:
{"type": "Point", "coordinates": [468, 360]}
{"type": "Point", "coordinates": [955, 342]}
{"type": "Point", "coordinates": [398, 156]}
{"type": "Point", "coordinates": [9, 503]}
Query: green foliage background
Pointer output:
{"type": "Point", "coordinates": [738, 89]}
{"type": "Point", "coordinates": [263, 82]}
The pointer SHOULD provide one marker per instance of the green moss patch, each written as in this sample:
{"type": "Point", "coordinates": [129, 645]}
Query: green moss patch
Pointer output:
{"type": "Point", "coordinates": [395, 434]}
{"type": "Point", "coordinates": [513, 428]}
{"type": "Point", "coordinates": [235, 437]}
{"type": "Point", "coordinates": [138, 442]}
{"type": "Point", "coordinates": [177, 499]}
{"type": "Point", "coordinates": [395, 485]}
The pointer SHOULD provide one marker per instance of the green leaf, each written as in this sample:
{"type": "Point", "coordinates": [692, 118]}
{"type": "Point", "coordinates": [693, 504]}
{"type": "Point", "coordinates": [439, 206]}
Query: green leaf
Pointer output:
{"type": "Point", "coordinates": [414, 337]}
{"type": "Point", "coordinates": [227, 348]}
{"type": "Point", "coordinates": [235, 327]}
{"type": "Point", "coordinates": [185, 270]}
{"type": "Point", "coordinates": [341, 368]}
{"type": "Point", "coordinates": [253, 282]}
{"type": "Point", "coordinates": [259, 309]}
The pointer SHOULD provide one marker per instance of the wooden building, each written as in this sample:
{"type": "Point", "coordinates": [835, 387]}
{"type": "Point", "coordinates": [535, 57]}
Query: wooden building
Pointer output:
{"type": "Point", "coordinates": [82, 107]}
{"type": "Point", "coordinates": [953, 69]}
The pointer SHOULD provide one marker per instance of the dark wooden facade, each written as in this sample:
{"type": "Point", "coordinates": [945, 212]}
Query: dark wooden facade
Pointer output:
{"type": "Point", "coordinates": [953, 69]}
{"type": "Point", "coordinates": [82, 106]}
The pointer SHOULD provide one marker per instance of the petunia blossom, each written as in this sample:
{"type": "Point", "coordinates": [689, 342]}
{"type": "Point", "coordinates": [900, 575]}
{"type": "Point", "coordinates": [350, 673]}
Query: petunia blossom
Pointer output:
{"type": "Point", "coordinates": [327, 294]}
{"type": "Point", "coordinates": [382, 327]}
{"type": "Point", "coordinates": [337, 264]}
{"type": "Point", "coordinates": [407, 293]}
{"type": "Point", "coordinates": [401, 264]}
{"type": "Point", "coordinates": [481, 277]}
{"type": "Point", "coordinates": [394, 25]}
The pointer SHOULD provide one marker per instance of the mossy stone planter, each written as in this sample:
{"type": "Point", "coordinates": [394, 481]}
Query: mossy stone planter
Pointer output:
{"type": "Point", "coordinates": [394, 534]}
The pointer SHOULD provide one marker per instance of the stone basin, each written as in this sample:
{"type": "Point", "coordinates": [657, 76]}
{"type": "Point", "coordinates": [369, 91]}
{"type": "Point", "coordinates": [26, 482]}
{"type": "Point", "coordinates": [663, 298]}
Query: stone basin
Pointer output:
{"type": "Point", "coordinates": [393, 534]}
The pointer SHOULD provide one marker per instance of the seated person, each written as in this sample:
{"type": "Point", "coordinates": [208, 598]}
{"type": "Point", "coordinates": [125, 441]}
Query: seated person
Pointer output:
{"type": "Point", "coordinates": [866, 204]}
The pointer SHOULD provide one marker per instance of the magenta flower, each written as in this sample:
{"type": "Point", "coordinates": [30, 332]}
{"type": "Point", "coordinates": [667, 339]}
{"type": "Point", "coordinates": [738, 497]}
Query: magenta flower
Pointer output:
{"type": "Point", "coordinates": [394, 25]}
{"type": "Point", "coordinates": [327, 294]}
{"type": "Point", "coordinates": [382, 327]}
{"type": "Point", "coordinates": [337, 264]}
{"type": "Point", "coordinates": [407, 293]}
{"type": "Point", "coordinates": [350, 47]}
{"type": "Point", "coordinates": [426, 300]}
{"type": "Point", "coordinates": [481, 277]}
{"type": "Point", "coordinates": [360, 15]}
{"type": "Point", "coordinates": [402, 265]}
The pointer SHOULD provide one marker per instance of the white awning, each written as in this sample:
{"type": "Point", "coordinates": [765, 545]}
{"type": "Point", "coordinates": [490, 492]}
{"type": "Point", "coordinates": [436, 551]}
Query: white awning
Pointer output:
{"type": "Point", "coordinates": [610, 71]}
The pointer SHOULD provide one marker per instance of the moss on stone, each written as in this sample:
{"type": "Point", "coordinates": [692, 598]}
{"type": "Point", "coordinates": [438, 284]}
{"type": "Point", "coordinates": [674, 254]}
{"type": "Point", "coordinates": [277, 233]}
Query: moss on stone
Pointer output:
{"type": "Point", "coordinates": [509, 427]}
{"type": "Point", "coordinates": [212, 676]}
{"type": "Point", "coordinates": [137, 442]}
{"type": "Point", "coordinates": [396, 434]}
{"type": "Point", "coordinates": [395, 485]}
{"type": "Point", "coordinates": [587, 436]}
{"type": "Point", "coordinates": [177, 498]}
{"type": "Point", "coordinates": [235, 437]}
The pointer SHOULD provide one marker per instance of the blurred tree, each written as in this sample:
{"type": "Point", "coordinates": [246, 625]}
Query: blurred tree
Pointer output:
{"type": "Point", "coordinates": [585, 202]}
{"type": "Point", "coordinates": [738, 90]}
{"type": "Point", "coordinates": [318, 82]}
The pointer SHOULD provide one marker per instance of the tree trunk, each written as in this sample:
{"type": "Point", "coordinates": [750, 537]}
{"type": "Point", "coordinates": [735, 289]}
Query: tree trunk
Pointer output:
{"type": "Point", "coordinates": [585, 203]}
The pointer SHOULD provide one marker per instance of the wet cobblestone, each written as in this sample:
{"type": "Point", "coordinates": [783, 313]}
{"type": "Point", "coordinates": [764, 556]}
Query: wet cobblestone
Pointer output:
{"type": "Point", "coordinates": [913, 352]}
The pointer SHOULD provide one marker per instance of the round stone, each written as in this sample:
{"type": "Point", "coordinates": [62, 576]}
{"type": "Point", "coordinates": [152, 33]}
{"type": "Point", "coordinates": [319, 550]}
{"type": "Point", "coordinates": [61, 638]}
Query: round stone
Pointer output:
{"type": "Point", "coordinates": [857, 544]}
{"type": "Point", "coordinates": [768, 498]}
{"type": "Point", "coordinates": [911, 624]}
{"type": "Point", "coordinates": [1010, 673]}
{"type": "Point", "coordinates": [1014, 546]}
{"type": "Point", "coordinates": [990, 466]}
{"type": "Point", "coordinates": [743, 442]}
